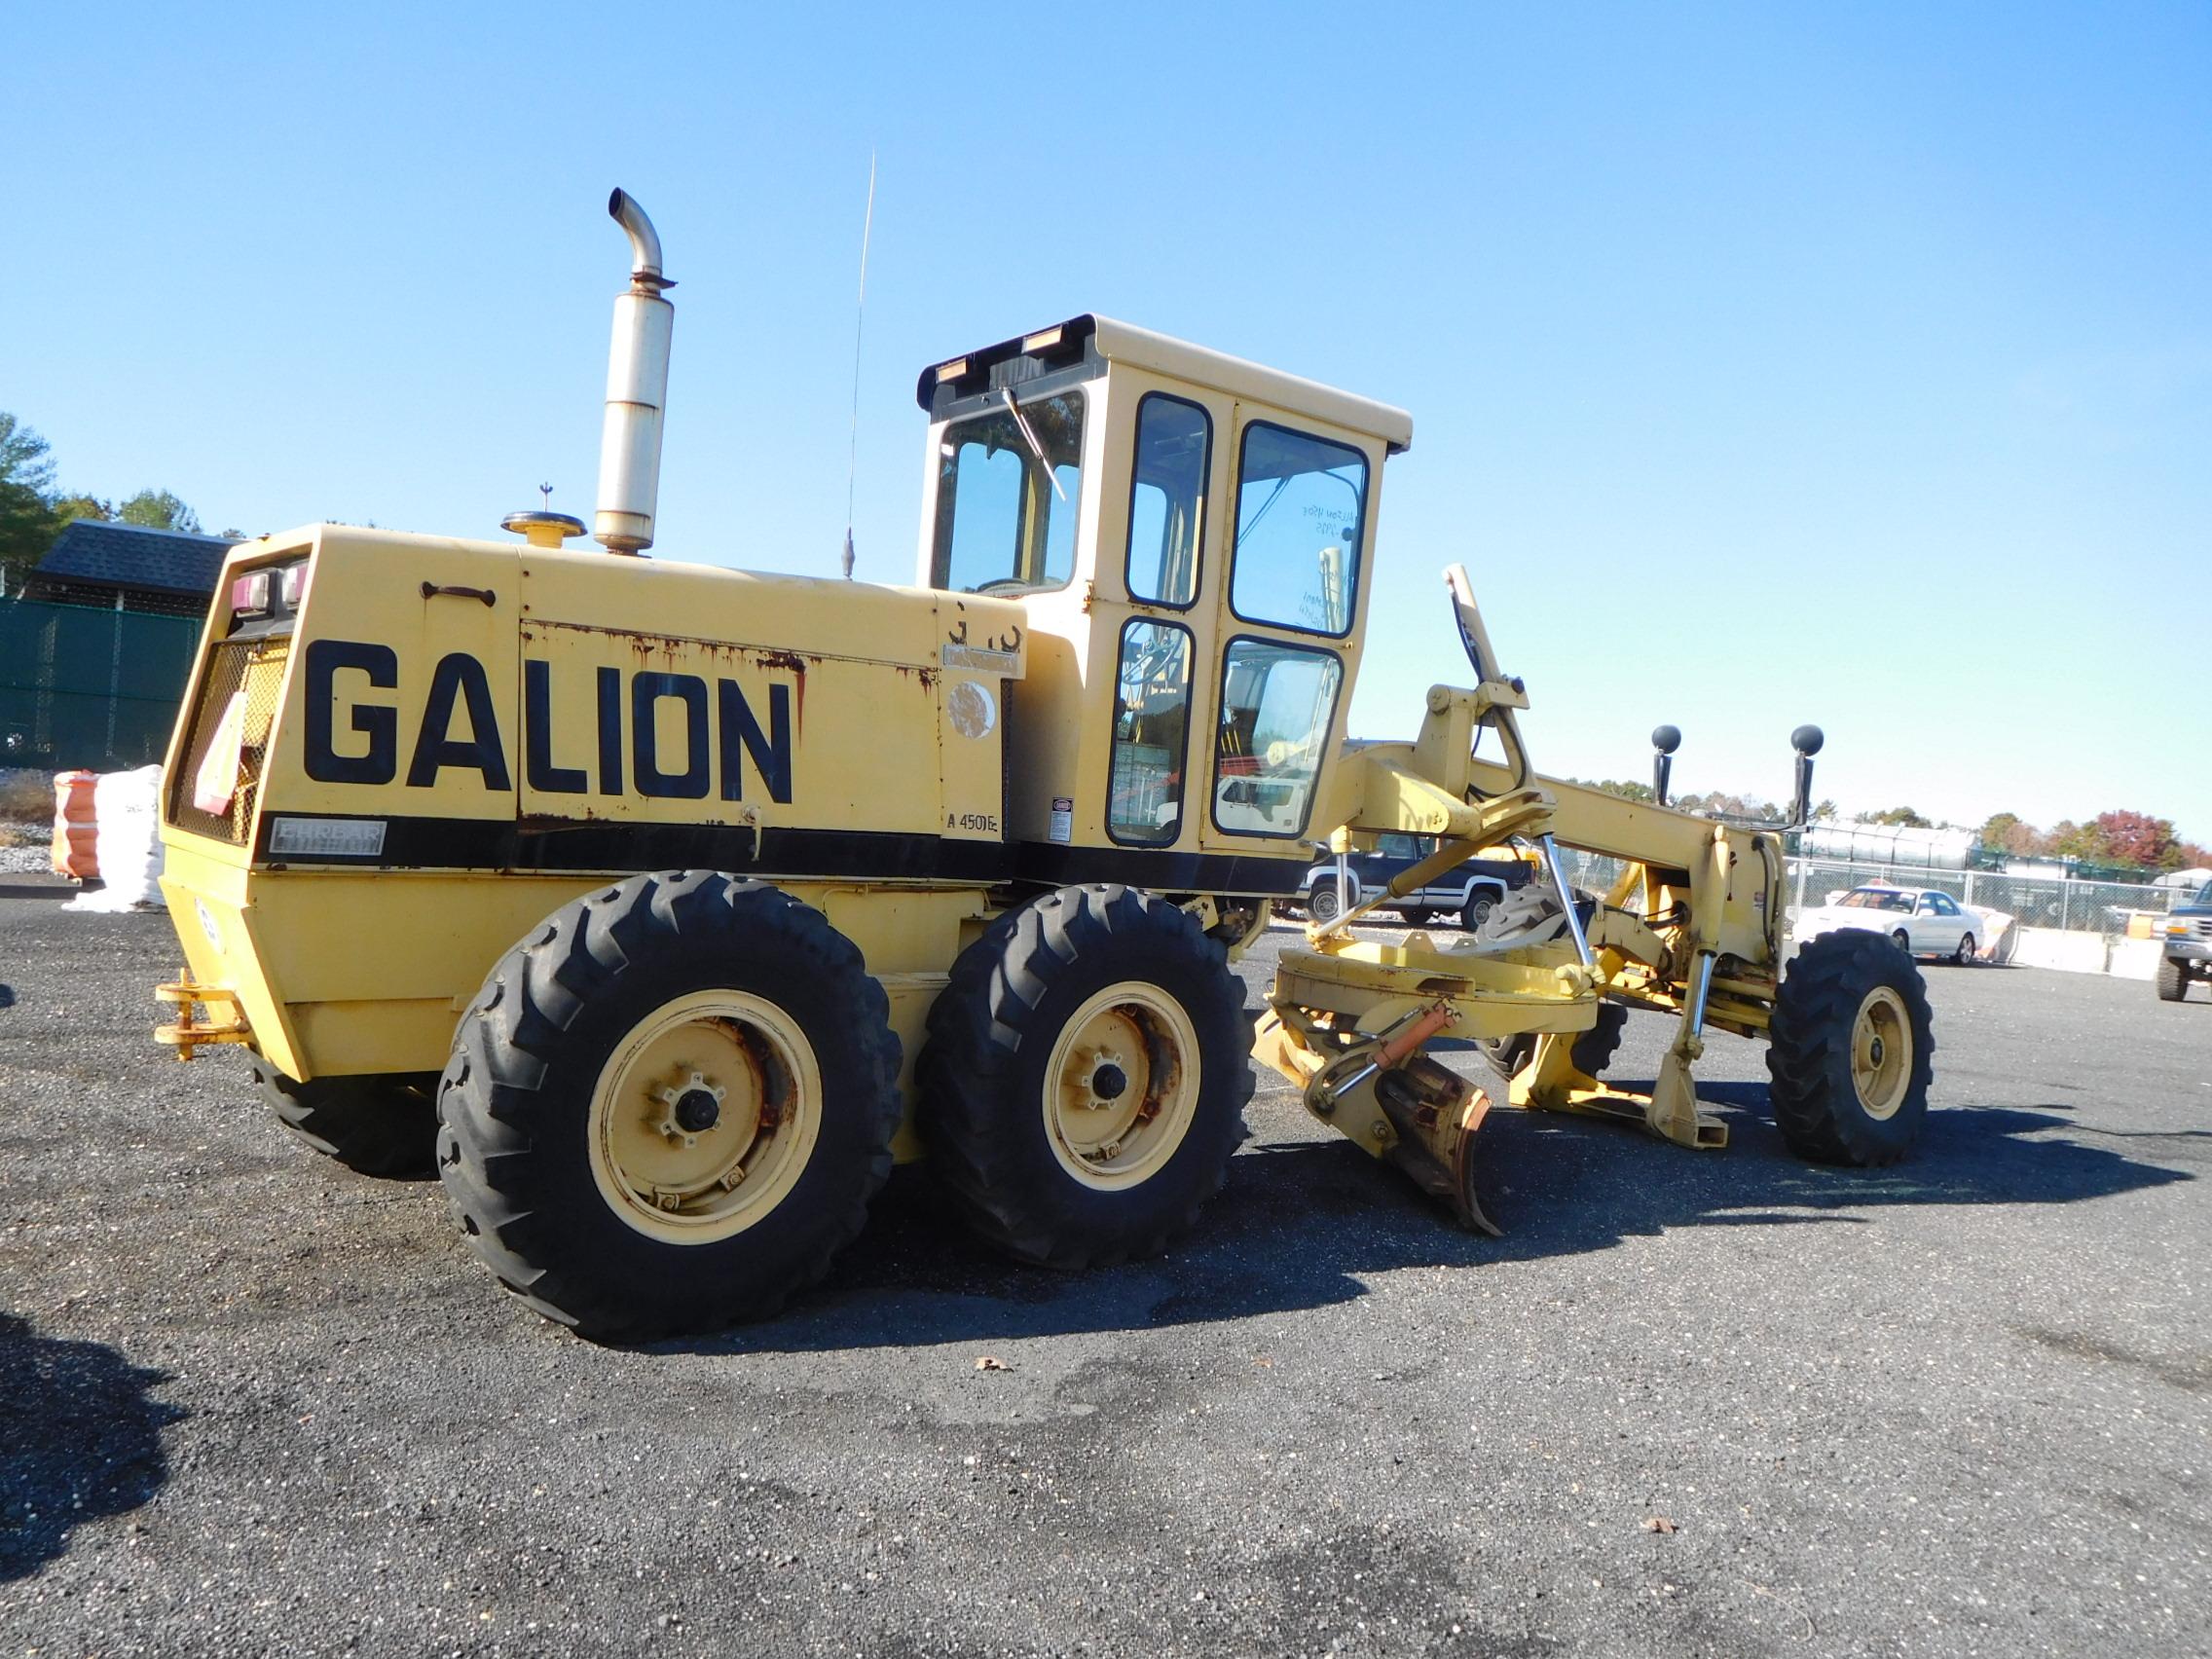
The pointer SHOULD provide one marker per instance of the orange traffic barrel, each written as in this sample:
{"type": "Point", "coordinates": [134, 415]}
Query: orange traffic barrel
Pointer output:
{"type": "Point", "coordinates": [75, 827]}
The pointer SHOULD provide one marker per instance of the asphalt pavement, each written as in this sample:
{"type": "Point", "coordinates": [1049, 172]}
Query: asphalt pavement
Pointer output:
{"type": "Point", "coordinates": [1693, 1403]}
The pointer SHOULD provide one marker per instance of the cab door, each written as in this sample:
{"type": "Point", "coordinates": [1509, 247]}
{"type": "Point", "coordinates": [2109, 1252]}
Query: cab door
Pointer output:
{"type": "Point", "coordinates": [1294, 539]}
{"type": "Point", "coordinates": [1151, 593]}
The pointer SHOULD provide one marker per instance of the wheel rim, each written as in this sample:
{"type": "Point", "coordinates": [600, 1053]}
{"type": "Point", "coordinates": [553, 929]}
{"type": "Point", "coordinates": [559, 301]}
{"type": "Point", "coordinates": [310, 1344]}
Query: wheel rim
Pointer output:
{"type": "Point", "coordinates": [1966, 949]}
{"type": "Point", "coordinates": [1323, 904]}
{"type": "Point", "coordinates": [1880, 1053]}
{"type": "Point", "coordinates": [1479, 911]}
{"type": "Point", "coordinates": [1122, 1085]}
{"type": "Point", "coordinates": [704, 1116]}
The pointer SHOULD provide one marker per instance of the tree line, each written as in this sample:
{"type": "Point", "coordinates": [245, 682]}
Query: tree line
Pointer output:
{"type": "Point", "coordinates": [33, 511]}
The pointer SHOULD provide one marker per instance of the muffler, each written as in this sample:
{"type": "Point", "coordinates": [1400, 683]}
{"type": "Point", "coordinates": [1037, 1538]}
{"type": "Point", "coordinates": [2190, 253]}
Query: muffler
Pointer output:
{"type": "Point", "coordinates": [637, 391]}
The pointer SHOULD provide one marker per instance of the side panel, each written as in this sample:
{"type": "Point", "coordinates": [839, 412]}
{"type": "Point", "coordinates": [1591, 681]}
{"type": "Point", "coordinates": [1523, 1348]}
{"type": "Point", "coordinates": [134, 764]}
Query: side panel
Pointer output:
{"type": "Point", "coordinates": [666, 715]}
{"type": "Point", "coordinates": [400, 700]}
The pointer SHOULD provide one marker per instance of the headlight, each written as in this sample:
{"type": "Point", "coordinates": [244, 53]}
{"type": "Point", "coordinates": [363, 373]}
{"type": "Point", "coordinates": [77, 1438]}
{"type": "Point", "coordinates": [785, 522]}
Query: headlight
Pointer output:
{"type": "Point", "coordinates": [249, 593]}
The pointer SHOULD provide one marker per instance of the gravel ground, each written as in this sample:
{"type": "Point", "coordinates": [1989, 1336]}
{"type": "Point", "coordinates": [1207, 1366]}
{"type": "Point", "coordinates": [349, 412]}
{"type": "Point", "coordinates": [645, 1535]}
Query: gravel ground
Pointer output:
{"type": "Point", "coordinates": [1693, 1403]}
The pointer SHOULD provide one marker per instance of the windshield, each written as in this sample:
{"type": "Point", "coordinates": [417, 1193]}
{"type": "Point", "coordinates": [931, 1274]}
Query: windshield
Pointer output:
{"type": "Point", "coordinates": [1301, 502]}
{"type": "Point", "coordinates": [1876, 899]}
{"type": "Point", "coordinates": [1006, 508]}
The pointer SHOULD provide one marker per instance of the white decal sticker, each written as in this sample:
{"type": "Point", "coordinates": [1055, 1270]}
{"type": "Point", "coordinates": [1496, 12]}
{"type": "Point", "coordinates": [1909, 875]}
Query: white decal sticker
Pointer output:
{"type": "Point", "coordinates": [327, 837]}
{"type": "Point", "coordinates": [1063, 820]}
{"type": "Point", "coordinates": [971, 707]}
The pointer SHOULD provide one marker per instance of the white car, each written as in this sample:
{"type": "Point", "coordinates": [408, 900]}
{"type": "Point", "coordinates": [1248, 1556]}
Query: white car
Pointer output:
{"type": "Point", "coordinates": [1923, 922]}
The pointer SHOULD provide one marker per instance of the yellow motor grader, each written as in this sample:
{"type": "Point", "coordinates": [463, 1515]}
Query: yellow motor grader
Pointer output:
{"type": "Point", "coordinates": [662, 907]}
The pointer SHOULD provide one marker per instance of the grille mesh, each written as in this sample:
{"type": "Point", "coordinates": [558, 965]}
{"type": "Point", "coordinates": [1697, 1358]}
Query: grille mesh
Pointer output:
{"type": "Point", "coordinates": [255, 667]}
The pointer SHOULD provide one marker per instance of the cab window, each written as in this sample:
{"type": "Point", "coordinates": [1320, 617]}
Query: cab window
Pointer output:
{"type": "Point", "coordinates": [1168, 492]}
{"type": "Point", "coordinates": [1009, 482]}
{"type": "Point", "coordinates": [1276, 703]}
{"type": "Point", "coordinates": [1151, 726]}
{"type": "Point", "coordinates": [1300, 504]}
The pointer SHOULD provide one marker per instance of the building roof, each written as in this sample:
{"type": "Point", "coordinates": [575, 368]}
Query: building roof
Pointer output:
{"type": "Point", "coordinates": [96, 553]}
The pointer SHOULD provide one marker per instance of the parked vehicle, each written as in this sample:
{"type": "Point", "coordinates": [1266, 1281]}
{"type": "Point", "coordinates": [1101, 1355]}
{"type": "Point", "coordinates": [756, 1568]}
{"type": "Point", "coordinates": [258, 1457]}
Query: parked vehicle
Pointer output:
{"type": "Point", "coordinates": [2187, 937]}
{"type": "Point", "coordinates": [1465, 893]}
{"type": "Point", "coordinates": [1923, 922]}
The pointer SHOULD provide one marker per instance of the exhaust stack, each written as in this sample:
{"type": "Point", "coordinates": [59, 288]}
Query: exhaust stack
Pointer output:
{"type": "Point", "coordinates": [637, 391]}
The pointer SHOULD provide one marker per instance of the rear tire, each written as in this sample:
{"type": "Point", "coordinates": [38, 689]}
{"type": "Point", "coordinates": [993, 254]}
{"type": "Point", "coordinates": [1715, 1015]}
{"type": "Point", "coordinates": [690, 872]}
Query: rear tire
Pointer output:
{"type": "Point", "coordinates": [2173, 979]}
{"type": "Point", "coordinates": [1321, 901]}
{"type": "Point", "coordinates": [1902, 940]}
{"type": "Point", "coordinates": [1963, 956]}
{"type": "Point", "coordinates": [1476, 911]}
{"type": "Point", "coordinates": [377, 1124]}
{"type": "Point", "coordinates": [1849, 1050]}
{"type": "Point", "coordinates": [1420, 917]}
{"type": "Point", "coordinates": [1086, 1076]}
{"type": "Point", "coordinates": [668, 1108]}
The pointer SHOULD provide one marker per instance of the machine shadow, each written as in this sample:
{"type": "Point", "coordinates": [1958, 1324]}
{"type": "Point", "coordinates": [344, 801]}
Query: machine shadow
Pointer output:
{"type": "Point", "coordinates": [80, 1440]}
{"type": "Point", "coordinates": [1303, 1225]}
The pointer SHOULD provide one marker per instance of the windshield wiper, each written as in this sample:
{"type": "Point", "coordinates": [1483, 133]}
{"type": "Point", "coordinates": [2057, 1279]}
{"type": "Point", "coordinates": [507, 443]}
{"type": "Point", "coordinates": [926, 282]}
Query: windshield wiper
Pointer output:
{"type": "Point", "coordinates": [1030, 438]}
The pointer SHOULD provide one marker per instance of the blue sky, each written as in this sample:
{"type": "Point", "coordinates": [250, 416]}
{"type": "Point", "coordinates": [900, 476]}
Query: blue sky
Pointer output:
{"type": "Point", "coordinates": [1767, 364]}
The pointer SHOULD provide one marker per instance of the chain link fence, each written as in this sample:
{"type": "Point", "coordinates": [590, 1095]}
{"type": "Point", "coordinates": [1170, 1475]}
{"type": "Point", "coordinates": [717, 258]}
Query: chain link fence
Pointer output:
{"type": "Point", "coordinates": [88, 686]}
{"type": "Point", "coordinates": [2105, 908]}
{"type": "Point", "coordinates": [2102, 907]}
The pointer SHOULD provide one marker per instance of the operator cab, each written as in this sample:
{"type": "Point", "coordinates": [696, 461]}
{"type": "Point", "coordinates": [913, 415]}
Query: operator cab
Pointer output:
{"type": "Point", "coordinates": [1194, 531]}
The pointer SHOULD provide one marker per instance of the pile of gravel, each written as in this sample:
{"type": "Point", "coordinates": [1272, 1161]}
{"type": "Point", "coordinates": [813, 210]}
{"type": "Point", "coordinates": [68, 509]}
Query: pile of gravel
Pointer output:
{"type": "Point", "coordinates": [25, 861]}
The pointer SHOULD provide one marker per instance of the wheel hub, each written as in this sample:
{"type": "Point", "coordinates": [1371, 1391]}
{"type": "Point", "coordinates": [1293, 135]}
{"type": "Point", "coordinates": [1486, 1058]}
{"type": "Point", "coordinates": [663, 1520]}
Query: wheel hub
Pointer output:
{"type": "Point", "coordinates": [703, 1116]}
{"type": "Point", "coordinates": [698, 1110]}
{"type": "Point", "coordinates": [1881, 1052]}
{"type": "Point", "coordinates": [692, 1108]}
{"type": "Point", "coordinates": [1120, 1085]}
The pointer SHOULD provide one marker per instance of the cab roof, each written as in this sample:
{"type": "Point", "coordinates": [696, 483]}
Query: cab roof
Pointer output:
{"type": "Point", "coordinates": [1100, 341]}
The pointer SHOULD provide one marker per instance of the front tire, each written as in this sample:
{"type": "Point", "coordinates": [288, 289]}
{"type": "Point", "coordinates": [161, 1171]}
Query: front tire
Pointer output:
{"type": "Point", "coordinates": [383, 1125]}
{"type": "Point", "coordinates": [1849, 1050]}
{"type": "Point", "coordinates": [1321, 903]}
{"type": "Point", "coordinates": [2173, 979]}
{"type": "Point", "coordinates": [1086, 1076]}
{"type": "Point", "coordinates": [668, 1108]}
{"type": "Point", "coordinates": [1476, 910]}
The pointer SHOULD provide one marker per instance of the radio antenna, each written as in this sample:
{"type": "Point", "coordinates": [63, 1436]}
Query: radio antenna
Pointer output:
{"type": "Point", "coordinates": [860, 321]}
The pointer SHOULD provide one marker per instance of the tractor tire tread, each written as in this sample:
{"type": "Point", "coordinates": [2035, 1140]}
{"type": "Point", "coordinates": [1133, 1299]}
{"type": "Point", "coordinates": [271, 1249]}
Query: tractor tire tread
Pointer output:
{"type": "Point", "coordinates": [502, 1062]}
{"type": "Point", "coordinates": [374, 1125]}
{"type": "Point", "coordinates": [980, 1024]}
{"type": "Point", "coordinates": [1809, 1050]}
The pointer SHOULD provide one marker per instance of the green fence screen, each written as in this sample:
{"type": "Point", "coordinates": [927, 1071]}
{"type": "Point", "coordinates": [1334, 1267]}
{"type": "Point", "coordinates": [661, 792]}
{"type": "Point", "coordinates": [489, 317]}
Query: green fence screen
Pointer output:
{"type": "Point", "coordinates": [81, 686]}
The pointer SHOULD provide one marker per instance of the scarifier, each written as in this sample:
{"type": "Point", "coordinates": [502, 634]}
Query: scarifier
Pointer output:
{"type": "Point", "coordinates": [662, 907]}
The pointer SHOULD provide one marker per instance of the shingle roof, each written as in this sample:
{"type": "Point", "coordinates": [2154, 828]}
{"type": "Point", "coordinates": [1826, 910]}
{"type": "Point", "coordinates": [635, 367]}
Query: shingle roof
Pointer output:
{"type": "Point", "coordinates": [126, 556]}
